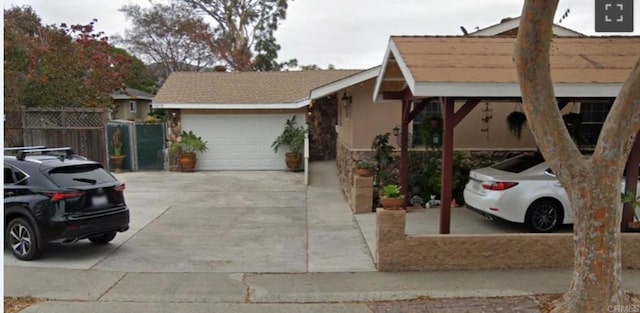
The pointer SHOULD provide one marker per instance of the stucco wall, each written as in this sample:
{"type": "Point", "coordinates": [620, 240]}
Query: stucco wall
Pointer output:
{"type": "Point", "coordinates": [398, 252]}
{"type": "Point", "coordinates": [371, 119]}
{"type": "Point", "coordinates": [368, 119]}
{"type": "Point", "coordinates": [122, 110]}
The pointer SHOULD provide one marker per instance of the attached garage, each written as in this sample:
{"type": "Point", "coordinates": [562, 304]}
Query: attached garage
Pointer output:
{"type": "Point", "coordinates": [239, 114]}
{"type": "Point", "coordinates": [239, 141]}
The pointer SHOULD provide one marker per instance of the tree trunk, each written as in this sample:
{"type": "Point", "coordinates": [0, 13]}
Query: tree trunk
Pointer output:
{"type": "Point", "coordinates": [597, 279]}
{"type": "Point", "coordinates": [593, 184]}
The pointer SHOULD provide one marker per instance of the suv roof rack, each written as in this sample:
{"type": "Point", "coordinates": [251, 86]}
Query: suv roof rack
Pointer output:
{"type": "Point", "coordinates": [24, 148]}
{"type": "Point", "coordinates": [22, 153]}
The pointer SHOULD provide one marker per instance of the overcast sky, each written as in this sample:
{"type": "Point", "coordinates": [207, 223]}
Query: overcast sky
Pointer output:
{"type": "Point", "coordinates": [346, 33]}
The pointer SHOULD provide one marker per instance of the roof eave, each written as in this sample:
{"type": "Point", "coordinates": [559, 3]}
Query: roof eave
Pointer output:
{"type": "Point", "coordinates": [344, 83]}
{"type": "Point", "coordinates": [234, 106]}
{"type": "Point", "coordinates": [509, 90]}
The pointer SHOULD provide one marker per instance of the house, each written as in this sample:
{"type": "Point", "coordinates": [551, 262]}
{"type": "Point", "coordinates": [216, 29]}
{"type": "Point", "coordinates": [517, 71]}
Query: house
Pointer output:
{"type": "Point", "coordinates": [240, 114]}
{"type": "Point", "coordinates": [464, 72]}
{"type": "Point", "coordinates": [131, 104]}
{"type": "Point", "coordinates": [473, 74]}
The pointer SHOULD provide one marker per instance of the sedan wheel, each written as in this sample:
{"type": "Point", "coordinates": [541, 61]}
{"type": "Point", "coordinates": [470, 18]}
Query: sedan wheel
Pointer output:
{"type": "Point", "coordinates": [543, 216]}
{"type": "Point", "coordinates": [22, 239]}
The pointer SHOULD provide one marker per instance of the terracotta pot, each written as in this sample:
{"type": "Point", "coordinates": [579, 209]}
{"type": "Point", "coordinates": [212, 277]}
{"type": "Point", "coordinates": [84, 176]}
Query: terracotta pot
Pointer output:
{"type": "Point", "coordinates": [117, 161]}
{"type": "Point", "coordinates": [188, 161]}
{"type": "Point", "coordinates": [364, 172]}
{"type": "Point", "coordinates": [392, 203]}
{"type": "Point", "coordinates": [293, 160]}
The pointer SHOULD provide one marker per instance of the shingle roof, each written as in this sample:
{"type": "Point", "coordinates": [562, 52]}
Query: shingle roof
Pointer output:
{"type": "Point", "coordinates": [131, 93]}
{"type": "Point", "coordinates": [244, 87]}
{"type": "Point", "coordinates": [490, 59]}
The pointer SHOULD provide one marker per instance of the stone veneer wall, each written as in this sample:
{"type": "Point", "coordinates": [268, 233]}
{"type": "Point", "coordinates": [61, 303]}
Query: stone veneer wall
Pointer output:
{"type": "Point", "coordinates": [174, 130]}
{"type": "Point", "coordinates": [322, 118]}
{"type": "Point", "coordinates": [397, 252]}
{"type": "Point", "coordinates": [346, 160]}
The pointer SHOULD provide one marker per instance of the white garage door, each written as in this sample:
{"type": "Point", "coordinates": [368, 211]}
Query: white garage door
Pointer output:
{"type": "Point", "coordinates": [239, 141]}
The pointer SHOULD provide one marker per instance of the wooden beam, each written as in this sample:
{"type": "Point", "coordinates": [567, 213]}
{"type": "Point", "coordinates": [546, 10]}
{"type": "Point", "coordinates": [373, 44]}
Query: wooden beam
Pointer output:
{"type": "Point", "coordinates": [563, 103]}
{"type": "Point", "coordinates": [393, 95]}
{"type": "Point", "coordinates": [464, 110]}
{"type": "Point", "coordinates": [404, 151]}
{"type": "Point", "coordinates": [447, 165]}
{"type": "Point", "coordinates": [418, 107]}
{"type": "Point", "coordinates": [397, 95]}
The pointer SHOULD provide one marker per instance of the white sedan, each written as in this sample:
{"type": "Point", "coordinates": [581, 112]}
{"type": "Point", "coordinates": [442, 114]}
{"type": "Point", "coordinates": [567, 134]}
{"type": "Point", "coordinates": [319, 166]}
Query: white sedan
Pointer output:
{"type": "Point", "coordinates": [521, 190]}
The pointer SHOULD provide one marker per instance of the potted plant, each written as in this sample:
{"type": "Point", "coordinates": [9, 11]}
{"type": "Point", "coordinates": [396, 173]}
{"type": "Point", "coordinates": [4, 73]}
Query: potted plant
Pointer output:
{"type": "Point", "coordinates": [363, 168]}
{"type": "Point", "coordinates": [516, 121]}
{"type": "Point", "coordinates": [117, 158]}
{"type": "Point", "coordinates": [292, 136]}
{"type": "Point", "coordinates": [391, 197]}
{"type": "Point", "coordinates": [187, 146]}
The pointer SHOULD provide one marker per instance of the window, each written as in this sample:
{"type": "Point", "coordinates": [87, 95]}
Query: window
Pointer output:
{"type": "Point", "coordinates": [432, 109]}
{"type": "Point", "coordinates": [132, 106]}
{"type": "Point", "coordinates": [80, 175]}
{"type": "Point", "coordinates": [592, 115]}
{"type": "Point", "coordinates": [13, 176]}
{"type": "Point", "coordinates": [520, 163]}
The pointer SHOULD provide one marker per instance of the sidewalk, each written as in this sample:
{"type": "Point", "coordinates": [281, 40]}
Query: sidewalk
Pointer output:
{"type": "Point", "coordinates": [105, 291]}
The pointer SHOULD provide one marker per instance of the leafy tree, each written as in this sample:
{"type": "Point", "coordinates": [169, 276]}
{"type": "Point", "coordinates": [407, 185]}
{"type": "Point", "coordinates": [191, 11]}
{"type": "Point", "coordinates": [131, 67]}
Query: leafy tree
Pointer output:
{"type": "Point", "coordinates": [172, 37]}
{"type": "Point", "coordinates": [139, 76]}
{"type": "Point", "coordinates": [59, 65]}
{"type": "Point", "coordinates": [21, 24]}
{"type": "Point", "coordinates": [244, 34]}
{"type": "Point", "coordinates": [313, 67]}
{"type": "Point", "coordinates": [593, 183]}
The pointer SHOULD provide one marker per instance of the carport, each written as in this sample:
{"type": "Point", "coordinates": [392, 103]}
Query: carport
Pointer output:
{"type": "Point", "coordinates": [463, 71]}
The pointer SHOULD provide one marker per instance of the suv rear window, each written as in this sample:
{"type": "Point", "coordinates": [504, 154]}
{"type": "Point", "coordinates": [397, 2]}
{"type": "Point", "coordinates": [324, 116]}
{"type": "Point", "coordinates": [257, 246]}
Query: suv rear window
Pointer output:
{"type": "Point", "coordinates": [520, 163]}
{"type": "Point", "coordinates": [80, 175]}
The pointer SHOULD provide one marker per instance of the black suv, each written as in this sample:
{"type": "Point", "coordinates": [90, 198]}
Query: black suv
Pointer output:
{"type": "Point", "coordinates": [54, 195]}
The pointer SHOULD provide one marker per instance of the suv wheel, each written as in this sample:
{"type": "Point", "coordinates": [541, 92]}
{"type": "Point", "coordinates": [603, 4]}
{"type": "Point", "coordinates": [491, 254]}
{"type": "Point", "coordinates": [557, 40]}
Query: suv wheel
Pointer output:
{"type": "Point", "coordinates": [103, 238]}
{"type": "Point", "coordinates": [544, 216]}
{"type": "Point", "coordinates": [22, 239]}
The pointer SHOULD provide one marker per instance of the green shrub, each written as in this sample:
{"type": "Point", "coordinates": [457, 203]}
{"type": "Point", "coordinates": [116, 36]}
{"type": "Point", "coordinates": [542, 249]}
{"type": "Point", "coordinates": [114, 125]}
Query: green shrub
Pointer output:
{"type": "Point", "coordinates": [391, 191]}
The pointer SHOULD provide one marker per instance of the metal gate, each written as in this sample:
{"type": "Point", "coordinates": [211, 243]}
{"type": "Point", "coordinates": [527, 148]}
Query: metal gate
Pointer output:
{"type": "Point", "coordinates": [143, 144]}
{"type": "Point", "coordinates": [150, 146]}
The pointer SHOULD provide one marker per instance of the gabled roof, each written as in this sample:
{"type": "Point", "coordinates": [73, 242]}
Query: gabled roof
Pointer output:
{"type": "Point", "coordinates": [243, 90]}
{"type": "Point", "coordinates": [130, 94]}
{"type": "Point", "coordinates": [509, 25]}
{"type": "Point", "coordinates": [346, 82]}
{"type": "Point", "coordinates": [484, 66]}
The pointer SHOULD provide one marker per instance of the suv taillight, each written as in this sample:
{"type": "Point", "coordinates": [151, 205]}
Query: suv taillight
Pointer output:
{"type": "Point", "coordinates": [58, 196]}
{"type": "Point", "coordinates": [119, 188]}
{"type": "Point", "coordinates": [498, 185]}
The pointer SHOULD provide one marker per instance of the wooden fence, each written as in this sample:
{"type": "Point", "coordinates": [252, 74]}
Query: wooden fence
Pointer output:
{"type": "Point", "coordinates": [83, 129]}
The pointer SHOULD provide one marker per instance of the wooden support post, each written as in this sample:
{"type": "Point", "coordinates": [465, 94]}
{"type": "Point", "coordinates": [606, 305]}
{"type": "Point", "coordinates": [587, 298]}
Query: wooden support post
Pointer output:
{"type": "Point", "coordinates": [447, 165]}
{"type": "Point", "coordinates": [404, 150]}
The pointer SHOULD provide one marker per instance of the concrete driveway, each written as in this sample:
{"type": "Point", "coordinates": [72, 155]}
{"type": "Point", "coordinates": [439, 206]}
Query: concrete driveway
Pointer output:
{"type": "Point", "coordinates": [260, 222]}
